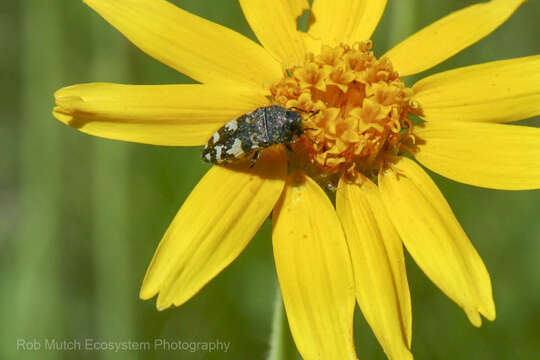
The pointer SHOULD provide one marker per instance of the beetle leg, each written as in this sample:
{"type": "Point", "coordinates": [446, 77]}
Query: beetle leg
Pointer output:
{"type": "Point", "coordinates": [254, 159]}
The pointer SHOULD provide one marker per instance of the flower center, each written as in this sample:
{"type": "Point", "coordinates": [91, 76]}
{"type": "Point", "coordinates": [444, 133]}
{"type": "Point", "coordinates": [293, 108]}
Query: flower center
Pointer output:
{"type": "Point", "coordinates": [363, 107]}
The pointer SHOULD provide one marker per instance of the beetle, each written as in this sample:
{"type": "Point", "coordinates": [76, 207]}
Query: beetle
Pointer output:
{"type": "Point", "coordinates": [252, 133]}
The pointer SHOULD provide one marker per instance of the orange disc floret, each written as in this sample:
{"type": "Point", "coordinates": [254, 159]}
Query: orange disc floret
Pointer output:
{"type": "Point", "coordinates": [362, 104]}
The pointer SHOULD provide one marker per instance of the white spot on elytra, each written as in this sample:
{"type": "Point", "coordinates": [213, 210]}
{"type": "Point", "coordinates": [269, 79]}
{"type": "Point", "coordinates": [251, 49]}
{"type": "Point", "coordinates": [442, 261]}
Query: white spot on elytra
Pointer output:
{"type": "Point", "coordinates": [215, 137]}
{"type": "Point", "coordinates": [255, 145]}
{"type": "Point", "coordinates": [236, 148]}
{"type": "Point", "coordinates": [231, 125]}
{"type": "Point", "coordinates": [206, 146]}
{"type": "Point", "coordinates": [207, 156]}
{"type": "Point", "coordinates": [218, 151]}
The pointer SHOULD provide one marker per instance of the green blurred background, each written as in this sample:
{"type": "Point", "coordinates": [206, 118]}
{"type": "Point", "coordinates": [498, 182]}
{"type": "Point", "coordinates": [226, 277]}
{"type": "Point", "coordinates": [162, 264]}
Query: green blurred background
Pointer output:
{"type": "Point", "coordinates": [80, 217]}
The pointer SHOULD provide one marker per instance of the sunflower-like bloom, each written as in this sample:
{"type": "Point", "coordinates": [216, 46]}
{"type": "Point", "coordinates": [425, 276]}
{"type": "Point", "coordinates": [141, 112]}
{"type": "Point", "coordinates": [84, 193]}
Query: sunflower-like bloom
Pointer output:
{"type": "Point", "coordinates": [328, 257]}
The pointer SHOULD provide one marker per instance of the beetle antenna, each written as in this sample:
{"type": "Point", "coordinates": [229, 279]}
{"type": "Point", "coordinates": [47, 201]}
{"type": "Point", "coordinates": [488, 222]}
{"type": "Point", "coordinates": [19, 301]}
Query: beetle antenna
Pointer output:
{"type": "Point", "coordinates": [311, 112]}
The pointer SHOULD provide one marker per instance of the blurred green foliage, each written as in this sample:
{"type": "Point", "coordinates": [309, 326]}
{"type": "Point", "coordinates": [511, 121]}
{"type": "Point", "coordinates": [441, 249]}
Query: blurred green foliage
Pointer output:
{"type": "Point", "coordinates": [80, 217]}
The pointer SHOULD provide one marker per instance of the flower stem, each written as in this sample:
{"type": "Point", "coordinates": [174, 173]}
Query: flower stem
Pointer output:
{"type": "Point", "coordinates": [281, 343]}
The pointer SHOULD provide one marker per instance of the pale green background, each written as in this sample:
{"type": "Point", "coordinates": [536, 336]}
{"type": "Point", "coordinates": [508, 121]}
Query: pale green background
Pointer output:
{"type": "Point", "coordinates": [80, 217]}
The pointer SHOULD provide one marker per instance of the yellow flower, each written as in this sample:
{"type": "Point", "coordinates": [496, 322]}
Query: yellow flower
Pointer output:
{"type": "Point", "coordinates": [327, 258]}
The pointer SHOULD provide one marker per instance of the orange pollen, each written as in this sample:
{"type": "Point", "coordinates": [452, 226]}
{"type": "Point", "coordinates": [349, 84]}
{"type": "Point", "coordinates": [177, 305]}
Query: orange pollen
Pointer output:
{"type": "Point", "coordinates": [363, 109]}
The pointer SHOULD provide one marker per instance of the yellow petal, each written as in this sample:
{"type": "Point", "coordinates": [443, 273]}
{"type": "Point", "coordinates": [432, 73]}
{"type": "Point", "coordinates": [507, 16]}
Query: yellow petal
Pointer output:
{"type": "Point", "coordinates": [178, 115]}
{"type": "Point", "coordinates": [314, 271]}
{"type": "Point", "coordinates": [449, 35]}
{"type": "Point", "coordinates": [382, 289]}
{"type": "Point", "coordinates": [345, 21]}
{"type": "Point", "coordinates": [488, 155]}
{"type": "Point", "coordinates": [298, 7]}
{"type": "Point", "coordinates": [201, 49]}
{"type": "Point", "coordinates": [311, 44]}
{"type": "Point", "coordinates": [498, 91]}
{"type": "Point", "coordinates": [274, 23]}
{"type": "Point", "coordinates": [435, 239]}
{"type": "Point", "coordinates": [213, 226]}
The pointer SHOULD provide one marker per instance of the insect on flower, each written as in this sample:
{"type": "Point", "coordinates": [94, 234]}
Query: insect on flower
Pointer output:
{"type": "Point", "coordinates": [253, 132]}
{"type": "Point", "coordinates": [329, 255]}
